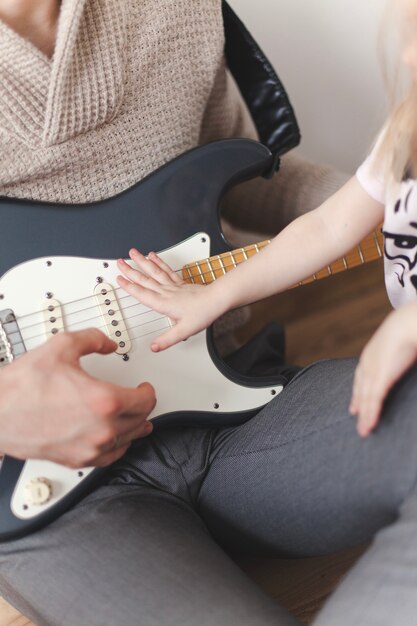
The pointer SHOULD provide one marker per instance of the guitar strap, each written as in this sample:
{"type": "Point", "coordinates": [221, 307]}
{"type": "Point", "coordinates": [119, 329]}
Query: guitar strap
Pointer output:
{"type": "Point", "coordinates": [261, 89]}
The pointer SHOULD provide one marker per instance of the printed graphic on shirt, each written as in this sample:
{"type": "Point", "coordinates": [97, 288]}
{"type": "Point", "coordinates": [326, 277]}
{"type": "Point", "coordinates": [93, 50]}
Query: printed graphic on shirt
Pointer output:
{"type": "Point", "coordinates": [400, 231]}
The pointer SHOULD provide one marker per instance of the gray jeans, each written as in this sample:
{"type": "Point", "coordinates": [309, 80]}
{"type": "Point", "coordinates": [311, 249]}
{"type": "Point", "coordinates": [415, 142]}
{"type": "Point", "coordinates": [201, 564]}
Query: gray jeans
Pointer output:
{"type": "Point", "coordinates": [152, 546]}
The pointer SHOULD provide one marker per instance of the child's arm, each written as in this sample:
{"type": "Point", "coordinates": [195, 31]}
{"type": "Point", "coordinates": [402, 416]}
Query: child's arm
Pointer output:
{"type": "Point", "coordinates": [385, 358]}
{"type": "Point", "coordinates": [307, 245]}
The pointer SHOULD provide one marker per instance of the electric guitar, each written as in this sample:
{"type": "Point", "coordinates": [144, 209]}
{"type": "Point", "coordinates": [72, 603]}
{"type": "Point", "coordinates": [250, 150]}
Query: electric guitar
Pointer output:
{"type": "Point", "coordinates": [58, 270]}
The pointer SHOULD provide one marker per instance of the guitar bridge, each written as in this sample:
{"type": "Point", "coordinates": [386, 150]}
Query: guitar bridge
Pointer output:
{"type": "Point", "coordinates": [11, 342]}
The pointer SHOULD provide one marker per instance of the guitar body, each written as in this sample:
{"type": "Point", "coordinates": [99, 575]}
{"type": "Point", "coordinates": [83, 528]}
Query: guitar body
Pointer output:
{"type": "Point", "coordinates": [58, 267]}
{"type": "Point", "coordinates": [175, 202]}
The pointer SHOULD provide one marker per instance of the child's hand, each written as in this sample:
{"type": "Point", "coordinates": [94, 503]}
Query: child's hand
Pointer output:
{"type": "Point", "coordinates": [385, 358]}
{"type": "Point", "coordinates": [157, 286]}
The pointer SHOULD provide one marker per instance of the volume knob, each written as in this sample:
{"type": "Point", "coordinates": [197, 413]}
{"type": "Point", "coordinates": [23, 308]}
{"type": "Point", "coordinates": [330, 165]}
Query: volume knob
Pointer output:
{"type": "Point", "coordinates": [39, 491]}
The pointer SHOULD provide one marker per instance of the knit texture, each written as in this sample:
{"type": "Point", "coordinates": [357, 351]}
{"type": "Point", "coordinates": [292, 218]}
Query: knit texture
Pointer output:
{"type": "Point", "coordinates": [131, 85]}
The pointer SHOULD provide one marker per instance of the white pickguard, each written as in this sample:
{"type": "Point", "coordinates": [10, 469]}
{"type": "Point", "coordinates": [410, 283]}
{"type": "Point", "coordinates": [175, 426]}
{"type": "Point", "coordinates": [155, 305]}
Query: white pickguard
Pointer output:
{"type": "Point", "coordinates": [185, 378]}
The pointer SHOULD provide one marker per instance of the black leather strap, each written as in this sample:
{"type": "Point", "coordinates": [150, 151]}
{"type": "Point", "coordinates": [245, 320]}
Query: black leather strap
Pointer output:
{"type": "Point", "coordinates": [260, 87]}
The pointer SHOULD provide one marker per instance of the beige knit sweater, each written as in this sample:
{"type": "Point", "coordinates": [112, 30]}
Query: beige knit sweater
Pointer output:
{"type": "Point", "coordinates": [132, 84]}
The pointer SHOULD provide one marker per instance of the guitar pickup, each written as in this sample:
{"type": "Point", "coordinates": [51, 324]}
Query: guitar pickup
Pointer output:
{"type": "Point", "coordinates": [52, 317]}
{"type": "Point", "coordinates": [113, 318]}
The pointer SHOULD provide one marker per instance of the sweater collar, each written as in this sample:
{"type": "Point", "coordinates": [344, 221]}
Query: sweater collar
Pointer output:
{"type": "Point", "coordinates": [45, 102]}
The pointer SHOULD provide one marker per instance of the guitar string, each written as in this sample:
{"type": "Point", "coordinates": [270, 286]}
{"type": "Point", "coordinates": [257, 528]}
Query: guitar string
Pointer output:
{"type": "Point", "coordinates": [151, 332]}
{"type": "Point", "coordinates": [105, 325]}
{"type": "Point", "coordinates": [77, 312]}
{"type": "Point", "coordinates": [95, 304]}
{"type": "Point", "coordinates": [181, 270]}
{"type": "Point", "coordinates": [200, 275]}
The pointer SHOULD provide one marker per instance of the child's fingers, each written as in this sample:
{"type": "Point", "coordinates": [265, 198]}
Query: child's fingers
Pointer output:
{"type": "Point", "coordinates": [176, 277]}
{"type": "Point", "coordinates": [369, 407]}
{"type": "Point", "coordinates": [368, 417]}
{"type": "Point", "coordinates": [149, 267]}
{"type": "Point", "coordinates": [148, 297]}
{"type": "Point", "coordinates": [174, 335]}
{"type": "Point", "coordinates": [353, 406]}
{"type": "Point", "coordinates": [366, 400]}
{"type": "Point", "coordinates": [138, 278]}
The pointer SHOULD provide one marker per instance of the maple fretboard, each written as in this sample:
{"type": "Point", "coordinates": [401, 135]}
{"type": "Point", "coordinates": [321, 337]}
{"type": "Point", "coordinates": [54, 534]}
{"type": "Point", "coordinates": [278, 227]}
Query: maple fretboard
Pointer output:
{"type": "Point", "coordinates": [207, 270]}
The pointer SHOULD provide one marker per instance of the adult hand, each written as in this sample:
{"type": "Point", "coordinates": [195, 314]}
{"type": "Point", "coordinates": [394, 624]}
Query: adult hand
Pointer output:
{"type": "Point", "coordinates": [51, 409]}
{"type": "Point", "coordinates": [386, 357]}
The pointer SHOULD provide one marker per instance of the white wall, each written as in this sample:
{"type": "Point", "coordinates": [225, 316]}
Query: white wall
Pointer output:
{"type": "Point", "coordinates": [326, 54]}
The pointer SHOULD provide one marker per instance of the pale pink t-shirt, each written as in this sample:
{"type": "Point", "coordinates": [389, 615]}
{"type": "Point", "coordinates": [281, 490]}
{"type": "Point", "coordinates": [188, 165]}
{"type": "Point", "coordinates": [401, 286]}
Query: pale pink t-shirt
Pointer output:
{"type": "Point", "coordinates": [400, 231]}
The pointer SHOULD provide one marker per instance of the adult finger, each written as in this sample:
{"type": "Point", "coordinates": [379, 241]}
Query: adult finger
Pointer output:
{"type": "Point", "coordinates": [127, 435]}
{"type": "Point", "coordinates": [121, 444]}
{"type": "Point", "coordinates": [109, 457]}
{"type": "Point", "coordinates": [83, 342]}
{"type": "Point", "coordinates": [139, 401]}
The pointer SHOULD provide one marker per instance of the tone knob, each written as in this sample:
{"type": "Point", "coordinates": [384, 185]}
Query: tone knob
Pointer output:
{"type": "Point", "coordinates": [38, 491]}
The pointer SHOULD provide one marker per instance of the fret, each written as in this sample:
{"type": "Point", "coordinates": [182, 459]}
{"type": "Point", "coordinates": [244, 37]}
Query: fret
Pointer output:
{"type": "Point", "coordinates": [329, 270]}
{"type": "Point", "coordinates": [233, 259]}
{"type": "Point", "coordinates": [244, 254]}
{"type": "Point", "coordinates": [221, 264]}
{"type": "Point", "coordinates": [345, 263]}
{"type": "Point", "coordinates": [191, 277]}
{"type": "Point", "coordinates": [218, 266]}
{"type": "Point", "coordinates": [209, 265]}
{"type": "Point", "coordinates": [338, 266]}
{"type": "Point", "coordinates": [361, 253]}
{"type": "Point", "coordinates": [201, 275]}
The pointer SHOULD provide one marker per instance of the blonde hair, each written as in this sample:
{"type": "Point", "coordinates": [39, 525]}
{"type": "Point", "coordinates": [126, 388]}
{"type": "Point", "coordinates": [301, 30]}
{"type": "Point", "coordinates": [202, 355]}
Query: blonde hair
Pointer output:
{"type": "Point", "coordinates": [396, 150]}
{"type": "Point", "coordinates": [396, 153]}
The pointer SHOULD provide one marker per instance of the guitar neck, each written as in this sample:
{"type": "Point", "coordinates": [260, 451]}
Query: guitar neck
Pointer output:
{"type": "Point", "coordinates": [207, 270]}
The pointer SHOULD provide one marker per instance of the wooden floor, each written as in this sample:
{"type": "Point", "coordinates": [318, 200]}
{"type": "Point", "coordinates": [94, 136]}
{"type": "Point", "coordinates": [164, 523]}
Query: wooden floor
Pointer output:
{"type": "Point", "coordinates": [331, 318]}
